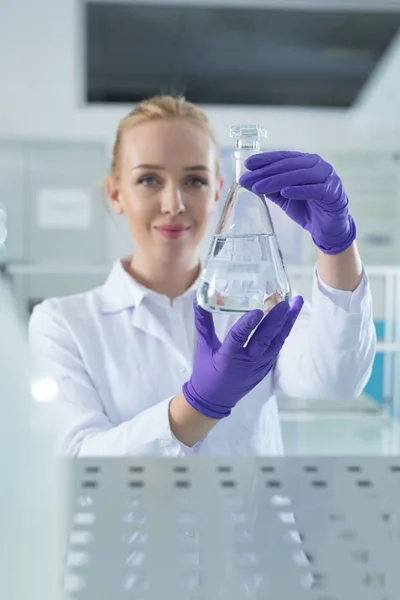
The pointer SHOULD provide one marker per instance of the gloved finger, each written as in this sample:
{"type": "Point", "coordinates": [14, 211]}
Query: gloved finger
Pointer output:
{"type": "Point", "coordinates": [276, 183]}
{"type": "Point", "coordinates": [278, 200]}
{"type": "Point", "coordinates": [267, 330]}
{"type": "Point", "coordinates": [276, 344]}
{"type": "Point", "coordinates": [315, 191]}
{"type": "Point", "coordinates": [240, 332]}
{"type": "Point", "coordinates": [262, 159]}
{"type": "Point", "coordinates": [324, 193]}
{"type": "Point", "coordinates": [204, 324]}
{"type": "Point", "coordinates": [305, 161]}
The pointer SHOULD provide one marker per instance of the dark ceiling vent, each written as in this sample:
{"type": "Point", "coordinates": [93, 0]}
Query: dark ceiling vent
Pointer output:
{"type": "Point", "coordinates": [227, 55]}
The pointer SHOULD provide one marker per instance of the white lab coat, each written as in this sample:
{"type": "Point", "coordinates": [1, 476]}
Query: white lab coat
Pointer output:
{"type": "Point", "coordinates": [120, 353]}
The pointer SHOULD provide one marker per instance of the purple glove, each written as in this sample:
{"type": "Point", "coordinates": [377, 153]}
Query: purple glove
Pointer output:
{"type": "Point", "coordinates": [309, 191]}
{"type": "Point", "coordinates": [224, 373]}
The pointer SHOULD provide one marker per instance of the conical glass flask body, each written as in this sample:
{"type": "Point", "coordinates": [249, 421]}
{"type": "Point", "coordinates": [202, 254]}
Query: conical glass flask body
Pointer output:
{"type": "Point", "coordinates": [244, 268]}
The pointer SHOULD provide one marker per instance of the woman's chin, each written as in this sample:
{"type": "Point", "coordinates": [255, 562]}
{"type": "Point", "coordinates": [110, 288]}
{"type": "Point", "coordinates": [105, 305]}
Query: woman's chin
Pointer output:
{"type": "Point", "coordinates": [182, 253]}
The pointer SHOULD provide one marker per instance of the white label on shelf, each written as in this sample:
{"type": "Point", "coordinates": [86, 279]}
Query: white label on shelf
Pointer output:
{"type": "Point", "coordinates": [64, 209]}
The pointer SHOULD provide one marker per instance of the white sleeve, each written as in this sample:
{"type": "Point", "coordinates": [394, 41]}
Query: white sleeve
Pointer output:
{"type": "Point", "coordinates": [83, 426]}
{"type": "Point", "coordinates": [330, 351]}
{"type": "Point", "coordinates": [351, 302]}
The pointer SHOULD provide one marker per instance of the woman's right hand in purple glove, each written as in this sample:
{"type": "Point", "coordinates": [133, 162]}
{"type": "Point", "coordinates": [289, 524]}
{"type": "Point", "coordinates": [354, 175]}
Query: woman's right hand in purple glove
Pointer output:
{"type": "Point", "coordinates": [225, 372]}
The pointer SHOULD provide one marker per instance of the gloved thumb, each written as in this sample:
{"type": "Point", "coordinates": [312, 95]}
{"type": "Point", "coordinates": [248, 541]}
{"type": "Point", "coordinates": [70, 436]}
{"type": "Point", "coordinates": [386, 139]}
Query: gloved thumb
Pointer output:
{"type": "Point", "coordinates": [204, 324]}
{"type": "Point", "coordinates": [240, 332]}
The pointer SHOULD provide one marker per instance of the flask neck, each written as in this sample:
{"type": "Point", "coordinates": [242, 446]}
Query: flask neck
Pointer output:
{"type": "Point", "coordinates": [244, 149]}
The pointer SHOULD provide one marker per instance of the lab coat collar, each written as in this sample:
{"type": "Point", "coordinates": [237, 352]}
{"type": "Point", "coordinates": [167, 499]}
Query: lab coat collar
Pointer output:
{"type": "Point", "coordinates": [121, 291]}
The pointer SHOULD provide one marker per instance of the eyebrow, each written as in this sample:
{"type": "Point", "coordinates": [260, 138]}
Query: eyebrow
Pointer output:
{"type": "Point", "coordinates": [160, 168]}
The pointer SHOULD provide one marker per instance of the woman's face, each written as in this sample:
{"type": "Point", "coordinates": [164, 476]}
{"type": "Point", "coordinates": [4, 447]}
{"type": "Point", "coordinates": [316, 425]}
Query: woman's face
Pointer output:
{"type": "Point", "coordinates": [167, 188]}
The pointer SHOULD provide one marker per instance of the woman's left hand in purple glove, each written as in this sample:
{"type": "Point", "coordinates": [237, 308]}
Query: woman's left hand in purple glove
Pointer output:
{"type": "Point", "coordinates": [310, 193]}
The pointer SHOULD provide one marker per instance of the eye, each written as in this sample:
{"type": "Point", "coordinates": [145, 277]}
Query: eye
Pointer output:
{"type": "Point", "coordinates": [148, 180]}
{"type": "Point", "coordinates": [197, 182]}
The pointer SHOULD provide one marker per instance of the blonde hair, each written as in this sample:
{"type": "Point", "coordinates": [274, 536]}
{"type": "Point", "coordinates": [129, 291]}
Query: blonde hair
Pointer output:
{"type": "Point", "coordinates": [161, 107]}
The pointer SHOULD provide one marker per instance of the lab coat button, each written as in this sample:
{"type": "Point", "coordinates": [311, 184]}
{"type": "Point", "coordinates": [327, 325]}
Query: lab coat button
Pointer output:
{"type": "Point", "coordinates": [183, 370]}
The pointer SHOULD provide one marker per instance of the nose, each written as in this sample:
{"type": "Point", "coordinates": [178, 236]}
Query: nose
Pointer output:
{"type": "Point", "coordinates": [172, 201]}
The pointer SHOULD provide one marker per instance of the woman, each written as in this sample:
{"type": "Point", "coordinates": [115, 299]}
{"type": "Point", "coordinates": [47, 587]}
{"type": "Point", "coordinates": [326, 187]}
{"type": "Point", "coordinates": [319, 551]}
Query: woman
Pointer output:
{"type": "Point", "coordinates": [140, 368]}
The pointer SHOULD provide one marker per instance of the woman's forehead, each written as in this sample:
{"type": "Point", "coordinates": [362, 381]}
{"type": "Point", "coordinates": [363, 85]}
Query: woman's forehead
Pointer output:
{"type": "Point", "coordinates": [172, 141]}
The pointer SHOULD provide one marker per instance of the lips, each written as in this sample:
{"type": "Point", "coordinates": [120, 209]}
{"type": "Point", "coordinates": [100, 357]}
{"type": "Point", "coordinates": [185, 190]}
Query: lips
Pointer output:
{"type": "Point", "coordinates": [172, 231]}
{"type": "Point", "coordinates": [172, 227]}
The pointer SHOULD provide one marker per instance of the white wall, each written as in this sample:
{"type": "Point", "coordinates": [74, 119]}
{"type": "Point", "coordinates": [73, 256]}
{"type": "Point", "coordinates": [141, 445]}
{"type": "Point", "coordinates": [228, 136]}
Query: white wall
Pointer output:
{"type": "Point", "coordinates": [40, 70]}
{"type": "Point", "coordinates": [381, 94]}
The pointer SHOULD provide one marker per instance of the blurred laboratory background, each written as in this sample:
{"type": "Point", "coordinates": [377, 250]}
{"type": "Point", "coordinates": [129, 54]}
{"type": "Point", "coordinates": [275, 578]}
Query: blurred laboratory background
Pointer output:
{"type": "Point", "coordinates": [321, 75]}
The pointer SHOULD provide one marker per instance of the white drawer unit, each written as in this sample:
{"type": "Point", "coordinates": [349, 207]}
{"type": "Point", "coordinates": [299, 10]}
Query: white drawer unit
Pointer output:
{"type": "Point", "coordinates": [202, 529]}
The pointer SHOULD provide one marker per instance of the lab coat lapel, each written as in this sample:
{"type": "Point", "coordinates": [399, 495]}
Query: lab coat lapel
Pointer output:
{"type": "Point", "coordinates": [121, 292]}
{"type": "Point", "coordinates": [145, 320]}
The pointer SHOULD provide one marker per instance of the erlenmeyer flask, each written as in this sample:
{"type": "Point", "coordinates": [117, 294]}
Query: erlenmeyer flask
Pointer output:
{"type": "Point", "coordinates": [244, 268]}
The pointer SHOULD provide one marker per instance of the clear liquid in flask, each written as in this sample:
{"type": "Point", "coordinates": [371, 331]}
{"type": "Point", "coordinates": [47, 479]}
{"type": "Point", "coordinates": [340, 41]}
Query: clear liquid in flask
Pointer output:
{"type": "Point", "coordinates": [243, 272]}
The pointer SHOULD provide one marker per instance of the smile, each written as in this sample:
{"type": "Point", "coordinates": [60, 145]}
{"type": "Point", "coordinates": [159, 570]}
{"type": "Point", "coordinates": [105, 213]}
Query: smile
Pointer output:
{"type": "Point", "coordinates": [172, 232]}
